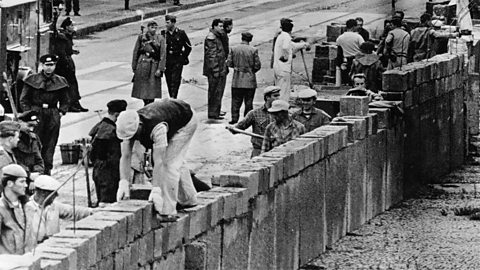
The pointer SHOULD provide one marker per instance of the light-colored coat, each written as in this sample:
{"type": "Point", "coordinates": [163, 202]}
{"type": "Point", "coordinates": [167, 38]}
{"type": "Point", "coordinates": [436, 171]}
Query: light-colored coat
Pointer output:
{"type": "Point", "coordinates": [15, 237]}
{"type": "Point", "coordinates": [284, 46]}
{"type": "Point", "coordinates": [245, 63]}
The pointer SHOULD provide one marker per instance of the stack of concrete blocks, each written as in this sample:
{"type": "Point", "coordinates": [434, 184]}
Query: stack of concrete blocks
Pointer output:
{"type": "Point", "coordinates": [283, 208]}
{"type": "Point", "coordinates": [324, 63]}
{"type": "Point", "coordinates": [432, 92]}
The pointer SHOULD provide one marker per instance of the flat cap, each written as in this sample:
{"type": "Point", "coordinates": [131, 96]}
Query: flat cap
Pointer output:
{"type": "Point", "coordinates": [170, 18]}
{"type": "Point", "coordinates": [8, 127]}
{"type": "Point", "coordinates": [247, 36]}
{"type": "Point", "coordinates": [28, 116]}
{"type": "Point", "coordinates": [14, 170]}
{"type": "Point", "coordinates": [48, 58]}
{"type": "Point", "coordinates": [271, 89]}
{"type": "Point", "coordinates": [127, 124]}
{"type": "Point", "coordinates": [307, 93]}
{"type": "Point", "coordinates": [46, 182]}
{"type": "Point", "coordinates": [117, 105]}
{"type": "Point", "coordinates": [285, 20]}
{"type": "Point", "coordinates": [278, 106]}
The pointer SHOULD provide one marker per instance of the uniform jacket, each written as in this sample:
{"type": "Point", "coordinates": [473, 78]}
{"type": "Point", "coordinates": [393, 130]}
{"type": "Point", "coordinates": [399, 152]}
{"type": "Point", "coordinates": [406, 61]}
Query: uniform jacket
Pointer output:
{"type": "Point", "coordinates": [40, 89]}
{"type": "Point", "coordinates": [63, 48]}
{"type": "Point", "coordinates": [28, 151]}
{"type": "Point", "coordinates": [284, 46]}
{"type": "Point", "coordinates": [51, 217]}
{"type": "Point", "coordinates": [214, 55]}
{"type": "Point", "coordinates": [16, 237]}
{"type": "Point", "coordinates": [245, 63]}
{"type": "Point", "coordinates": [178, 47]}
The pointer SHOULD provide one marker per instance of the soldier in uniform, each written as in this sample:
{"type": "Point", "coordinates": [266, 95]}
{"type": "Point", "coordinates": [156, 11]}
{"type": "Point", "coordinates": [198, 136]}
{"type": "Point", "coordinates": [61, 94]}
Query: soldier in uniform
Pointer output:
{"type": "Point", "coordinates": [29, 148]}
{"type": "Point", "coordinates": [178, 50]}
{"type": "Point", "coordinates": [42, 92]}
{"type": "Point", "coordinates": [63, 48]}
{"type": "Point", "coordinates": [105, 153]}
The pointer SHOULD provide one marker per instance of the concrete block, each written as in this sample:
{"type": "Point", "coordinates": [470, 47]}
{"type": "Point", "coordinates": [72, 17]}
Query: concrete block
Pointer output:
{"type": "Point", "coordinates": [171, 260]}
{"type": "Point", "coordinates": [106, 263]}
{"type": "Point", "coordinates": [428, 140]}
{"type": "Point", "coordinates": [213, 243]}
{"type": "Point", "coordinates": [67, 256]}
{"type": "Point", "coordinates": [140, 192]}
{"type": "Point", "coordinates": [200, 218]}
{"type": "Point", "coordinates": [353, 105]}
{"type": "Point", "coordinates": [357, 183]}
{"type": "Point", "coordinates": [339, 121]}
{"type": "Point", "coordinates": [373, 125]}
{"type": "Point", "coordinates": [121, 218]}
{"type": "Point", "coordinates": [146, 246]}
{"type": "Point", "coordinates": [81, 246]}
{"type": "Point", "coordinates": [312, 218]}
{"type": "Point", "coordinates": [49, 264]}
{"type": "Point", "coordinates": [395, 80]}
{"type": "Point", "coordinates": [420, 73]}
{"type": "Point", "coordinates": [92, 236]}
{"type": "Point", "coordinates": [442, 121]}
{"type": "Point", "coordinates": [384, 117]}
{"type": "Point", "coordinates": [276, 159]}
{"type": "Point", "coordinates": [412, 149]}
{"type": "Point", "coordinates": [196, 256]}
{"type": "Point", "coordinates": [158, 243]}
{"type": "Point", "coordinates": [235, 240]}
{"type": "Point", "coordinates": [339, 137]}
{"type": "Point", "coordinates": [336, 187]}
{"type": "Point", "coordinates": [329, 51]}
{"type": "Point", "coordinates": [457, 141]}
{"type": "Point", "coordinates": [262, 247]}
{"type": "Point", "coordinates": [427, 91]}
{"type": "Point", "coordinates": [376, 168]}
{"type": "Point", "coordinates": [135, 223]}
{"type": "Point", "coordinates": [395, 161]}
{"type": "Point", "coordinates": [287, 231]}
{"type": "Point", "coordinates": [108, 231]}
{"type": "Point", "coordinates": [334, 30]}
{"type": "Point", "coordinates": [248, 180]}
{"type": "Point", "coordinates": [406, 97]}
{"type": "Point", "coordinates": [175, 233]}
{"type": "Point", "coordinates": [235, 196]}
{"type": "Point", "coordinates": [360, 129]}
{"type": "Point", "coordinates": [217, 204]}
{"type": "Point", "coordinates": [472, 95]}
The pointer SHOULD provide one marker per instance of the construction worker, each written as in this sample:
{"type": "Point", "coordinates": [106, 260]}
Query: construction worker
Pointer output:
{"type": "Point", "coordinates": [283, 129]}
{"type": "Point", "coordinates": [259, 118]}
{"type": "Point", "coordinates": [310, 116]}
{"type": "Point", "coordinates": [16, 232]}
{"type": "Point", "coordinates": [42, 92]}
{"type": "Point", "coordinates": [105, 153]}
{"type": "Point", "coordinates": [166, 127]}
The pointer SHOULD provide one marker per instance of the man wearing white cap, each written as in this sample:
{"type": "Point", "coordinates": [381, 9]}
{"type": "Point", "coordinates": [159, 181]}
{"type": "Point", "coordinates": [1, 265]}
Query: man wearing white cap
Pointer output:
{"type": "Point", "coordinates": [166, 127]}
{"type": "Point", "coordinates": [310, 116]}
{"type": "Point", "coordinates": [45, 210]}
{"type": "Point", "coordinates": [16, 235]}
{"type": "Point", "coordinates": [283, 129]}
{"type": "Point", "coordinates": [259, 118]}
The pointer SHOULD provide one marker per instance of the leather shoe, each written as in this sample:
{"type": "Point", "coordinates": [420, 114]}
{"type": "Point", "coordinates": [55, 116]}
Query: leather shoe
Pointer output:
{"type": "Point", "coordinates": [82, 109]}
{"type": "Point", "coordinates": [76, 14]}
{"type": "Point", "coordinates": [222, 113]}
{"type": "Point", "coordinates": [181, 207]}
{"type": "Point", "coordinates": [74, 109]}
{"type": "Point", "coordinates": [232, 122]}
{"type": "Point", "coordinates": [216, 117]}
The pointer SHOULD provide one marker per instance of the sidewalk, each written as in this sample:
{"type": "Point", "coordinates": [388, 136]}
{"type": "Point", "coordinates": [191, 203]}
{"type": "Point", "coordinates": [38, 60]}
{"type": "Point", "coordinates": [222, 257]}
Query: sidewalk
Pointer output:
{"type": "Point", "coordinates": [101, 15]}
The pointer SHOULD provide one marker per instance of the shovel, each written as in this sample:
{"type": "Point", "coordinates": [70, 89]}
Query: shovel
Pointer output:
{"type": "Point", "coordinates": [310, 84]}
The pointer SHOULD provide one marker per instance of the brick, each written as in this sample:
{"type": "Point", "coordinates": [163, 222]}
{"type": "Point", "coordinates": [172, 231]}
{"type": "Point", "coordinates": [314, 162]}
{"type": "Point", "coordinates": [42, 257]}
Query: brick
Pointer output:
{"type": "Point", "coordinates": [92, 236]}
{"type": "Point", "coordinates": [121, 218]}
{"type": "Point", "coordinates": [82, 247]}
{"type": "Point", "coordinates": [336, 187]}
{"type": "Point", "coordinates": [353, 105]}
{"type": "Point", "coordinates": [347, 123]}
{"type": "Point", "coordinates": [276, 160]}
{"type": "Point", "coordinates": [135, 223]}
{"type": "Point", "coordinates": [361, 126]}
{"type": "Point", "coordinates": [249, 180]}
{"type": "Point", "coordinates": [395, 80]}
{"type": "Point", "coordinates": [175, 233]}
{"type": "Point", "coordinates": [67, 256]}
{"type": "Point", "coordinates": [240, 197]}
{"type": "Point", "coordinates": [384, 117]}
{"type": "Point", "coordinates": [196, 256]}
{"type": "Point", "coordinates": [235, 244]}
{"type": "Point", "coordinates": [262, 235]}
{"type": "Point", "coordinates": [200, 218]}
{"type": "Point", "coordinates": [339, 136]}
{"type": "Point", "coordinates": [311, 196]}
{"type": "Point", "coordinates": [172, 260]}
{"type": "Point", "coordinates": [217, 202]}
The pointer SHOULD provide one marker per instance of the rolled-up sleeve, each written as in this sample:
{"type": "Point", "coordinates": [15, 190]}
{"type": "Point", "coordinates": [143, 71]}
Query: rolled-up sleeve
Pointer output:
{"type": "Point", "coordinates": [159, 135]}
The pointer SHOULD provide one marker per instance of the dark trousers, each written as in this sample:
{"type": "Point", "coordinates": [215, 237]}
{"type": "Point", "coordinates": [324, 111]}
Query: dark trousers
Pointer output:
{"type": "Point", "coordinates": [346, 80]}
{"type": "Point", "coordinates": [216, 86]}
{"type": "Point", "coordinates": [48, 130]}
{"type": "Point", "coordinates": [68, 6]}
{"type": "Point", "coordinates": [240, 95]}
{"type": "Point", "coordinates": [173, 76]}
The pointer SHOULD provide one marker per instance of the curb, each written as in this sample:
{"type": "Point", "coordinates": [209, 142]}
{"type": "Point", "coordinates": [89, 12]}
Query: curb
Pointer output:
{"type": "Point", "coordinates": [116, 22]}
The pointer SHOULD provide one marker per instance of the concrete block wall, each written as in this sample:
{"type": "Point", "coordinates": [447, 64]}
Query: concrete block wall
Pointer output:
{"type": "Point", "coordinates": [284, 207]}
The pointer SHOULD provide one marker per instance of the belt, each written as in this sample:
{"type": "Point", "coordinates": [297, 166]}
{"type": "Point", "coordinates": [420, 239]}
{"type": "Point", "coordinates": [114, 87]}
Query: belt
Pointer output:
{"type": "Point", "coordinates": [46, 106]}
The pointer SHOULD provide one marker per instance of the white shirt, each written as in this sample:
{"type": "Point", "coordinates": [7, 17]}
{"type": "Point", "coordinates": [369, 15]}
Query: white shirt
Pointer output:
{"type": "Point", "coordinates": [284, 46]}
{"type": "Point", "coordinates": [350, 43]}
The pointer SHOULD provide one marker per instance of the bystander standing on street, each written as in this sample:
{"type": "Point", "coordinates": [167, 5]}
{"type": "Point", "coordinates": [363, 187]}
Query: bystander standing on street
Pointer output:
{"type": "Point", "coordinates": [42, 92]}
{"type": "Point", "coordinates": [282, 58]}
{"type": "Point", "coordinates": [308, 115]}
{"type": "Point", "coordinates": [16, 232]}
{"type": "Point", "coordinates": [362, 31]}
{"type": "Point", "coordinates": [283, 129]}
{"type": "Point", "coordinates": [105, 153]}
{"type": "Point", "coordinates": [215, 68]}
{"type": "Point", "coordinates": [9, 137]}
{"type": "Point", "coordinates": [259, 118]}
{"type": "Point", "coordinates": [245, 63]}
{"type": "Point", "coordinates": [148, 64]}
{"type": "Point", "coordinates": [75, 7]}
{"type": "Point", "coordinates": [178, 50]}
{"type": "Point", "coordinates": [348, 47]}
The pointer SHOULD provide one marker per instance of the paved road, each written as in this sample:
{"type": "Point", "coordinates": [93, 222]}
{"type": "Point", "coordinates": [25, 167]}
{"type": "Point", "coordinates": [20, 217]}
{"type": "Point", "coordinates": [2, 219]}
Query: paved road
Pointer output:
{"type": "Point", "coordinates": [104, 73]}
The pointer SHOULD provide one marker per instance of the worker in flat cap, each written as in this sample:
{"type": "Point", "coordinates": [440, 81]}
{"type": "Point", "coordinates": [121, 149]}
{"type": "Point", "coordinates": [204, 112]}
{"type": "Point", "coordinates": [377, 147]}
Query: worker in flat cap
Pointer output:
{"type": "Point", "coordinates": [282, 58]}
{"type": "Point", "coordinates": [308, 115]}
{"type": "Point", "coordinates": [63, 48]}
{"type": "Point", "coordinates": [16, 226]}
{"type": "Point", "coordinates": [29, 148]}
{"type": "Point", "coordinates": [283, 129]}
{"type": "Point", "coordinates": [244, 61]}
{"type": "Point", "coordinates": [148, 64]}
{"type": "Point", "coordinates": [45, 212]}
{"type": "Point", "coordinates": [178, 50]}
{"type": "Point", "coordinates": [105, 153]}
{"type": "Point", "coordinates": [9, 137]}
{"type": "Point", "coordinates": [258, 119]}
{"type": "Point", "coordinates": [46, 93]}
{"type": "Point", "coordinates": [166, 127]}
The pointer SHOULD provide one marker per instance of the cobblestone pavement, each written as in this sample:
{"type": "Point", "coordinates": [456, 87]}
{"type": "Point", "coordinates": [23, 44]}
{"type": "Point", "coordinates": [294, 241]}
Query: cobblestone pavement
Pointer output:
{"type": "Point", "coordinates": [420, 233]}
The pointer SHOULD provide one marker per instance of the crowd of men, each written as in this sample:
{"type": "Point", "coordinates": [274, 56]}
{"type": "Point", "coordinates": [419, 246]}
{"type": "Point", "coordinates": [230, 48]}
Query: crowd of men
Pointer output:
{"type": "Point", "coordinates": [29, 213]}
